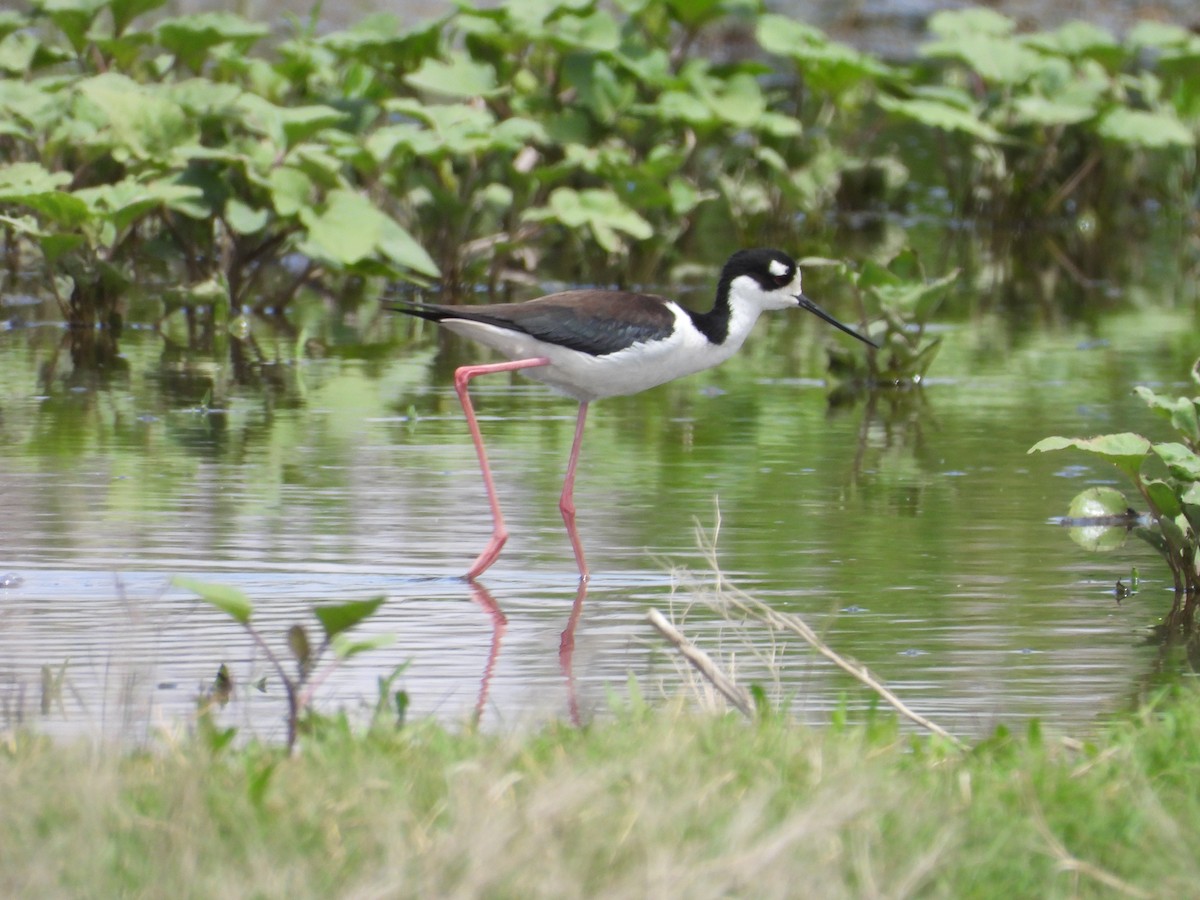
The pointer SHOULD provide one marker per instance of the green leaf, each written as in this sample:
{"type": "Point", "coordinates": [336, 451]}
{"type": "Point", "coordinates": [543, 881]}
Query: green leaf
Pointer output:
{"type": "Point", "coordinates": [460, 77]}
{"type": "Point", "coordinates": [1175, 530]}
{"type": "Point", "coordinates": [596, 33]}
{"type": "Point", "coordinates": [291, 190]}
{"type": "Point", "coordinates": [1164, 497]}
{"type": "Point", "coordinates": [191, 37]}
{"type": "Point", "coordinates": [344, 616]}
{"type": "Point", "coordinates": [126, 201]}
{"type": "Point", "coordinates": [1139, 128]}
{"type": "Point", "coordinates": [245, 219]}
{"type": "Point", "coordinates": [345, 646]}
{"type": "Point", "coordinates": [286, 126]}
{"type": "Point", "coordinates": [998, 60]}
{"type": "Point", "coordinates": [600, 89]}
{"type": "Point", "coordinates": [399, 246]}
{"type": "Point", "coordinates": [73, 18]}
{"type": "Point", "coordinates": [681, 106]}
{"type": "Point", "coordinates": [695, 13]}
{"type": "Point", "coordinates": [347, 230]}
{"type": "Point", "coordinates": [737, 100]}
{"type": "Point", "coordinates": [32, 186]}
{"type": "Point", "coordinates": [1158, 35]}
{"type": "Point", "coordinates": [30, 178]}
{"type": "Point", "coordinates": [1183, 412]}
{"type": "Point", "coordinates": [299, 646]}
{"type": "Point", "coordinates": [140, 118]}
{"type": "Point", "coordinates": [10, 21]}
{"type": "Point", "coordinates": [1042, 111]}
{"type": "Point", "coordinates": [1190, 502]}
{"type": "Point", "coordinates": [1126, 451]}
{"type": "Point", "coordinates": [939, 114]}
{"type": "Point", "coordinates": [228, 599]}
{"type": "Point", "coordinates": [961, 23]}
{"type": "Point", "coordinates": [1079, 39]}
{"type": "Point", "coordinates": [18, 52]}
{"type": "Point", "coordinates": [599, 209]}
{"type": "Point", "coordinates": [828, 64]}
{"type": "Point", "coordinates": [125, 11]}
{"type": "Point", "coordinates": [1181, 460]}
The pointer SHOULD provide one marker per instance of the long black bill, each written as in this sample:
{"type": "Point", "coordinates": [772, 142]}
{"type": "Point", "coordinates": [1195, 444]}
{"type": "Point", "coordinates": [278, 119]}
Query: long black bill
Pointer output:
{"type": "Point", "coordinates": [805, 303]}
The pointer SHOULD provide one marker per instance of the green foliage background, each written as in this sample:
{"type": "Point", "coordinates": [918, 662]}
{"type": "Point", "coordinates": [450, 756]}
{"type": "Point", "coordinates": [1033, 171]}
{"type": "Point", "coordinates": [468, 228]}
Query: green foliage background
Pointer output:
{"type": "Point", "coordinates": [599, 140]}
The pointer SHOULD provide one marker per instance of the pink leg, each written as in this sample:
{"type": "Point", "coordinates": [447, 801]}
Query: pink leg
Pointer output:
{"type": "Point", "coordinates": [462, 376]}
{"type": "Point", "coordinates": [566, 503]}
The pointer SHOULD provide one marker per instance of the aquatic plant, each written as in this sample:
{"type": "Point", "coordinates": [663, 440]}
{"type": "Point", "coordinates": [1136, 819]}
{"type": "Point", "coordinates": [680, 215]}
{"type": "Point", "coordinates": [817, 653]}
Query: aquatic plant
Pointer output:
{"type": "Point", "coordinates": [583, 139]}
{"type": "Point", "coordinates": [1166, 476]}
{"type": "Point", "coordinates": [898, 300]}
{"type": "Point", "coordinates": [1030, 122]}
{"type": "Point", "coordinates": [299, 686]}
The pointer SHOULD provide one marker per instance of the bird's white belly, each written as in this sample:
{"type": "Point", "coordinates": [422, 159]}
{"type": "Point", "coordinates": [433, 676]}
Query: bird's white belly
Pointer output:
{"type": "Point", "coordinates": [586, 377]}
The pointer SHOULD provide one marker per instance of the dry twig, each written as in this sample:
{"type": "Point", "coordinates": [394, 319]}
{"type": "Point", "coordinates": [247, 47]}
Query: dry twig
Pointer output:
{"type": "Point", "coordinates": [728, 597]}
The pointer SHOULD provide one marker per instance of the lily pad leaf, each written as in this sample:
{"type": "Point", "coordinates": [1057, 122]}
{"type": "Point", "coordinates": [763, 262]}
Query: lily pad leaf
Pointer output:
{"type": "Point", "coordinates": [1098, 502]}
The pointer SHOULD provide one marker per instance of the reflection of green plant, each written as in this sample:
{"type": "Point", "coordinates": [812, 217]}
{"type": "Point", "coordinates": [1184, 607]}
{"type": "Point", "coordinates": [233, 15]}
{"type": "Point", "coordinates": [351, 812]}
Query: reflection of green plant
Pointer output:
{"type": "Point", "coordinates": [1170, 487]}
{"type": "Point", "coordinates": [336, 621]}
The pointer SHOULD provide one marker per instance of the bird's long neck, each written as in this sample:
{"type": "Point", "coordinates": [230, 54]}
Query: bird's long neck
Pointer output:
{"type": "Point", "coordinates": [714, 324]}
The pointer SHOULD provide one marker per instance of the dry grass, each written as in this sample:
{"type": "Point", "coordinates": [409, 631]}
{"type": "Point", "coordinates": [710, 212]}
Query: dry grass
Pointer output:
{"type": "Point", "coordinates": [658, 803]}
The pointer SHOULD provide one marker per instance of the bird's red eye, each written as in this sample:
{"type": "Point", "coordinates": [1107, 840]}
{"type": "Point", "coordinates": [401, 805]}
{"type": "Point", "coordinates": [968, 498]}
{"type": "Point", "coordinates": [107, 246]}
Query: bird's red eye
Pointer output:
{"type": "Point", "coordinates": [783, 279]}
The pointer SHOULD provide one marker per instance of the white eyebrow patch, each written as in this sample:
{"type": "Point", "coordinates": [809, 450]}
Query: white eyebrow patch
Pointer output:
{"type": "Point", "coordinates": [778, 268]}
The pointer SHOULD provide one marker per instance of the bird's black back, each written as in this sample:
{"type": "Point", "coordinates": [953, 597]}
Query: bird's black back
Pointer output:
{"type": "Point", "coordinates": [590, 321]}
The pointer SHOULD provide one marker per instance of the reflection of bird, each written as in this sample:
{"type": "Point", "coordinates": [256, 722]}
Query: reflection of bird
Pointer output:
{"type": "Point", "coordinates": [593, 343]}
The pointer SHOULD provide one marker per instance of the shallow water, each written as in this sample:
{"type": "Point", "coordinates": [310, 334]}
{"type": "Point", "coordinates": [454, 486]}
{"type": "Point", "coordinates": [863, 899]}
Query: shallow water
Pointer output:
{"type": "Point", "coordinates": [911, 529]}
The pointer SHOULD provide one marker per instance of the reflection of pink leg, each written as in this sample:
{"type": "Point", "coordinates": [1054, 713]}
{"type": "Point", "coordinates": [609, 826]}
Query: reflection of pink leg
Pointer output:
{"type": "Point", "coordinates": [566, 652]}
{"type": "Point", "coordinates": [566, 503]}
{"type": "Point", "coordinates": [462, 377]}
{"type": "Point", "coordinates": [499, 625]}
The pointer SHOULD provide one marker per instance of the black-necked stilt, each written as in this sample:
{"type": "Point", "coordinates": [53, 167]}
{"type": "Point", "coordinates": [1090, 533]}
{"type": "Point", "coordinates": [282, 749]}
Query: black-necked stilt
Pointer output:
{"type": "Point", "coordinates": [593, 343]}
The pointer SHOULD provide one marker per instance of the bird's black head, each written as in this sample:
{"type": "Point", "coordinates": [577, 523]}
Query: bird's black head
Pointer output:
{"type": "Point", "coordinates": [766, 278]}
{"type": "Point", "coordinates": [771, 269]}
